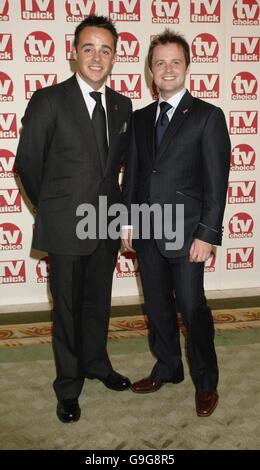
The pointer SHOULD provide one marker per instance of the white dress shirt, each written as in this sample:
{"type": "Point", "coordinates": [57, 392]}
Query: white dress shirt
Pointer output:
{"type": "Point", "coordinates": [90, 102]}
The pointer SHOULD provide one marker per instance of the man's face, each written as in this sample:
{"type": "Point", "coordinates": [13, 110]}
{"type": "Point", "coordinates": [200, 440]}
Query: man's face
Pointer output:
{"type": "Point", "coordinates": [169, 69]}
{"type": "Point", "coordinates": [95, 55]}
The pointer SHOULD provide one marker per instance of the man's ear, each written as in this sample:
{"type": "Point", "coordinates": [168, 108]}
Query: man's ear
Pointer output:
{"type": "Point", "coordinates": [74, 53]}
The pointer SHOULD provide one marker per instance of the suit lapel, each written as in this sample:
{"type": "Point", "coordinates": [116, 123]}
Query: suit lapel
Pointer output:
{"type": "Point", "coordinates": [114, 120]}
{"type": "Point", "coordinates": [150, 123]}
{"type": "Point", "coordinates": [81, 116]}
{"type": "Point", "coordinates": [177, 120]}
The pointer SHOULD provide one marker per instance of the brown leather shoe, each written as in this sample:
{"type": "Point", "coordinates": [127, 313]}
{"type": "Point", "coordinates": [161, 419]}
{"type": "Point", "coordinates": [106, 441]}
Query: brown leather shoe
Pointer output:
{"type": "Point", "coordinates": [146, 385]}
{"type": "Point", "coordinates": [206, 402]}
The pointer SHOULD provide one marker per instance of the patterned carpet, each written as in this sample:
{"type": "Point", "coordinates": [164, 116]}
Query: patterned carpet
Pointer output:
{"type": "Point", "coordinates": [127, 327]}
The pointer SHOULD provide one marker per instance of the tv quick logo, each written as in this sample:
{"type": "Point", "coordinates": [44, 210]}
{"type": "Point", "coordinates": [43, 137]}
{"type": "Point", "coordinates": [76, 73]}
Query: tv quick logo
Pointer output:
{"type": "Point", "coordinates": [205, 48]}
{"type": "Point", "coordinates": [39, 47]}
{"type": "Point", "coordinates": [246, 13]}
{"type": "Point", "coordinates": [242, 158]}
{"type": "Point", "coordinates": [124, 10]}
{"type": "Point", "coordinates": [204, 85]}
{"type": "Point", "coordinates": [240, 258]}
{"type": "Point", "coordinates": [37, 10]}
{"type": "Point", "coordinates": [241, 192]}
{"type": "Point", "coordinates": [77, 10]}
{"type": "Point", "coordinates": [12, 272]}
{"type": "Point", "coordinates": [4, 10]}
{"type": "Point", "coordinates": [165, 11]}
{"type": "Point", "coordinates": [205, 11]}
{"type": "Point", "coordinates": [127, 265]}
{"type": "Point", "coordinates": [244, 86]}
{"type": "Point", "coordinates": [241, 226]}
{"type": "Point", "coordinates": [6, 88]}
{"type": "Point", "coordinates": [10, 237]}
{"type": "Point", "coordinates": [7, 169]}
{"type": "Point", "coordinates": [10, 201]}
{"type": "Point", "coordinates": [127, 48]}
{"type": "Point", "coordinates": [210, 265]}
{"type": "Point", "coordinates": [243, 122]}
{"type": "Point", "coordinates": [42, 270]}
{"type": "Point", "coordinates": [33, 82]}
{"type": "Point", "coordinates": [245, 49]}
{"type": "Point", "coordinates": [8, 126]}
{"type": "Point", "coordinates": [127, 84]}
{"type": "Point", "coordinates": [6, 47]}
{"type": "Point", "coordinates": [69, 40]}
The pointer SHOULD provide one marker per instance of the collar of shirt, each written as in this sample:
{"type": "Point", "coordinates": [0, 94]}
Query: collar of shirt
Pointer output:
{"type": "Point", "coordinates": [90, 102]}
{"type": "Point", "coordinates": [174, 101]}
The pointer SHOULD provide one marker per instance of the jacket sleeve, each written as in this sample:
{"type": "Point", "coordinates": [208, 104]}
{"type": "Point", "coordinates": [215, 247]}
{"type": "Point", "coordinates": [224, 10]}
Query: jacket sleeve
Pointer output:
{"type": "Point", "coordinates": [34, 143]}
{"type": "Point", "coordinates": [130, 178]}
{"type": "Point", "coordinates": [215, 148]}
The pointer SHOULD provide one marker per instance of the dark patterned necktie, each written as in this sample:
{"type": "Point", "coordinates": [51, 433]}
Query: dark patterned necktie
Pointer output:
{"type": "Point", "coordinates": [162, 123]}
{"type": "Point", "coordinates": [100, 126]}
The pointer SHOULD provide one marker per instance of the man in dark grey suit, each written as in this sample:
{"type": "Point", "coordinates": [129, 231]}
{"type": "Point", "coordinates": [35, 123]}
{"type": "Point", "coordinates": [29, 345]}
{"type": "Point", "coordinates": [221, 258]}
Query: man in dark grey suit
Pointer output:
{"type": "Point", "coordinates": [71, 148]}
{"type": "Point", "coordinates": [179, 156]}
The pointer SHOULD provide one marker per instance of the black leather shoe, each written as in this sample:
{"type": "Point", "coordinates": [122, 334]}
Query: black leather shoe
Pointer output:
{"type": "Point", "coordinates": [116, 381]}
{"type": "Point", "coordinates": [68, 411]}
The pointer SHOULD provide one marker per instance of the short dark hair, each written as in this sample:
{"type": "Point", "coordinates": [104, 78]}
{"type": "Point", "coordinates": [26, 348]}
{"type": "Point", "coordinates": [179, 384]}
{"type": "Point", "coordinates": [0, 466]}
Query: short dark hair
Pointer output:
{"type": "Point", "coordinates": [169, 37]}
{"type": "Point", "coordinates": [97, 22]}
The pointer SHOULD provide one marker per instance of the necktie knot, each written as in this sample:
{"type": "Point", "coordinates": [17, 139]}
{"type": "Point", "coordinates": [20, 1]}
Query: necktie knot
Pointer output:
{"type": "Point", "coordinates": [96, 95]}
{"type": "Point", "coordinates": [164, 108]}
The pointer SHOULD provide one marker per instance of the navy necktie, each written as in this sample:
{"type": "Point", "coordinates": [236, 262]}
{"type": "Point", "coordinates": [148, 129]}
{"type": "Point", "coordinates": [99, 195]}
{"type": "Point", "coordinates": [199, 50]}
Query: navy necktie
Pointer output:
{"type": "Point", "coordinates": [162, 123]}
{"type": "Point", "coordinates": [100, 126]}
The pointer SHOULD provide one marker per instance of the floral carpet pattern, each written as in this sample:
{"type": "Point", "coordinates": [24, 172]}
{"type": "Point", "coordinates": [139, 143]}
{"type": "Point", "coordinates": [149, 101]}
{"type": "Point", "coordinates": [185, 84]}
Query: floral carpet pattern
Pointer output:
{"type": "Point", "coordinates": [126, 327]}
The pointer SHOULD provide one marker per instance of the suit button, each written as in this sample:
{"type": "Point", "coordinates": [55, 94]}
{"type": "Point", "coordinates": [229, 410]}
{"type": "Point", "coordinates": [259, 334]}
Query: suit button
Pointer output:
{"type": "Point", "coordinates": [154, 170]}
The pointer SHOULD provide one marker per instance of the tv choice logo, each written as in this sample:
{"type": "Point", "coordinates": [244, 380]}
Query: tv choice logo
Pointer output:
{"type": "Point", "coordinates": [124, 10]}
{"type": "Point", "coordinates": [205, 85]}
{"type": "Point", "coordinates": [4, 10]}
{"type": "Point", "coordinates": [244, 86]}
{"type": "Point", "coordinates": [245, 49]}
{"type": "Point", "coordinates": [205, 11]}
{"type": "Point", "coordinates": [205, 48]}
{"type": "Point", "coordinates": [69, 41]}
{"type": "Point", "coordinates": [127, 265]}
{"type": "Point", "coordinates": [42, 270]}
{"type": "Point", "coordinates": [128, 48]}
{"type": "Point", "coordinates": [6, 46]}
{"type": "Point", "coordinates": [7, 168]}
{"type": "Point", "coordinates": [165, 11]}
{"type": "Point", "coordinates": [127, 84]}
{"type": "Point", "coordinates": [243, 122]}
{"type": "Point", "coordinates": [33, 82]}
{"type": "Point", "coordinates": [246, 13]}
{"type": "Point", "coordinates": [210, 264]}
{"type": "Point", "coordinates": [241, 226]}
{"type": "Point", "coordinates": [77, 10]}
{"type": "Point", "coordinates": [240, 258]}
{"type": "Point", "coordinates": [6, 87]}
{"type": "Point", "coordinates": [10, 201]}
{"type": "Point", "coordinates": [10, 237]}
{"type": "Point", "coordinates": [8, 126]}
{"type": "Point", "coordinates": [12, 272]}
{"type": "Point", "coordinates": [242, 158]}
{"type": "Point", "coordinates": [37, 10]}
{"type": "Point", "coordinates": [39, 47]}
{"type": "Point", "coordinates": [242, 192]}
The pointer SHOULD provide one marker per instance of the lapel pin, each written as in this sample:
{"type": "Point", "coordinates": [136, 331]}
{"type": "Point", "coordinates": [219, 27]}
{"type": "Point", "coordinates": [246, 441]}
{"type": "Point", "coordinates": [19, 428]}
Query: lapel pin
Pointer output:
{"type": "Point", "coordinates": [185, 111]}
{"type": "Point", "coordinates": [116, 108]}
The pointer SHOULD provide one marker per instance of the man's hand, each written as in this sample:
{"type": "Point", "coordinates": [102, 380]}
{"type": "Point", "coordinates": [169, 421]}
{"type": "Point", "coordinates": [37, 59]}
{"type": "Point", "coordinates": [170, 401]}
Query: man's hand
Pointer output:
{"type": "Point", "coordinates": [126, 237]}
{"type": "Point", "coordinates": [200, 251]}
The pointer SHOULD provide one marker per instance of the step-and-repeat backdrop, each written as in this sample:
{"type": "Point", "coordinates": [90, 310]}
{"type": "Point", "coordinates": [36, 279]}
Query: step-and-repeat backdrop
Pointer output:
{"type": "Point", "coordinates": [35, 50]}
